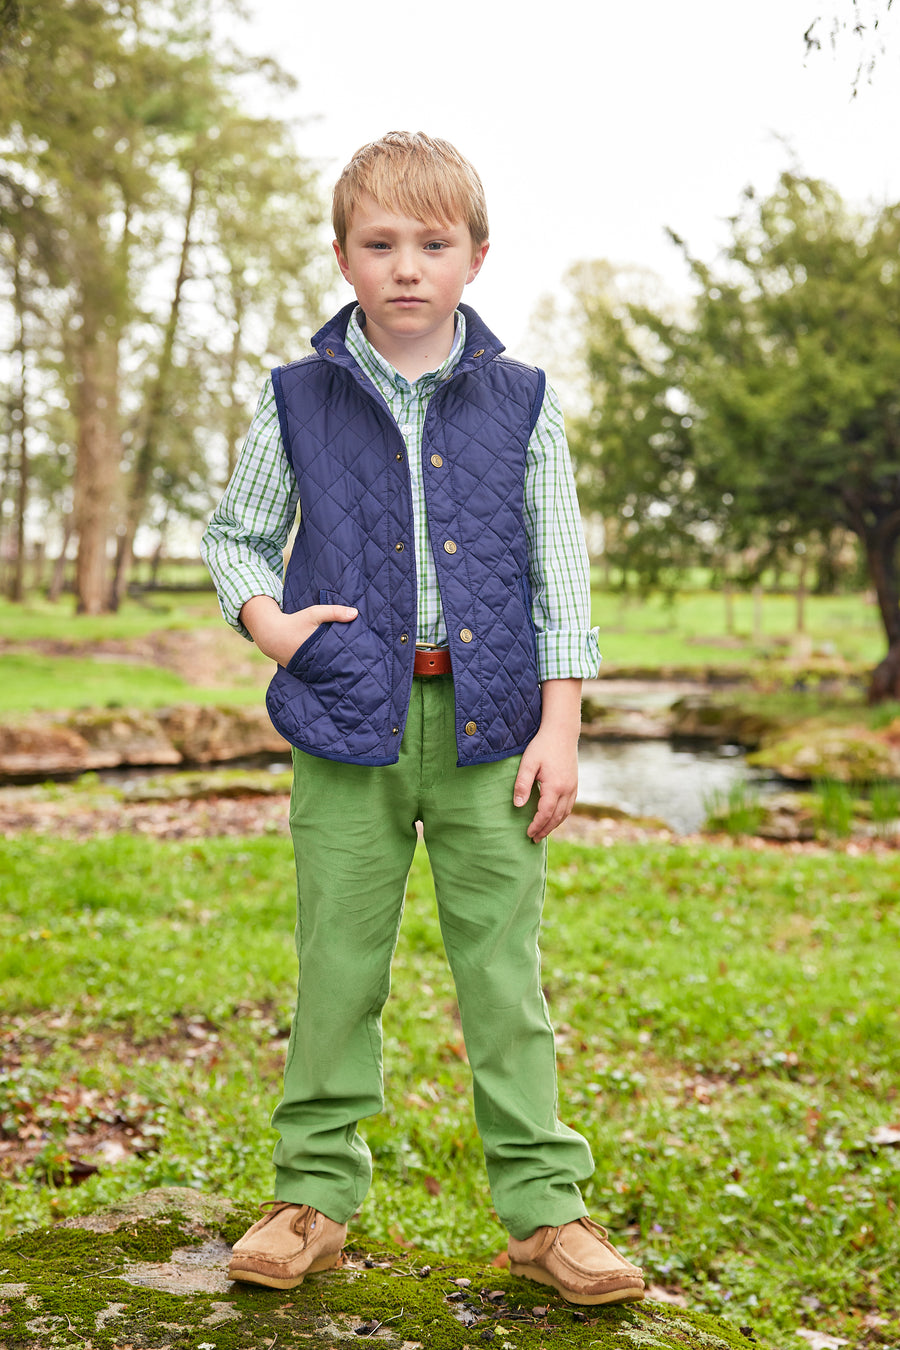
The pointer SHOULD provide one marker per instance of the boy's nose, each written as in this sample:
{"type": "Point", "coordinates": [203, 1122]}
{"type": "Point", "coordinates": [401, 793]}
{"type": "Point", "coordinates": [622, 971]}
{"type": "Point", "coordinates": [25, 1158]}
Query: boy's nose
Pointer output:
{"type": "Point", "coordinates": [406, 266]}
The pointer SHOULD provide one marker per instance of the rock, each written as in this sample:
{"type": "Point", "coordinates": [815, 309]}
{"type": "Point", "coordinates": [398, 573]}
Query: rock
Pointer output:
{"type": "Point", "coordinates": [119, 737]}
{"type": "Point", "coordinates": [787, 816]}
{"type": "Point", "coordinates": [202, 785]}
{"type": "Point", "coordinates": [206, 734]}
{"type": "Point", "coordinates": [29, 749]}
{"type": "Point", "coordinates": [601, 723]}
{"type": "Point", "coordinates": [105, 738]}
{"type": "Point", "coordinates": [152, 1272]}
{"type": "Point", "coordinates": [722, 723]}
{"type": "Point", "coordinates": [845, 754]}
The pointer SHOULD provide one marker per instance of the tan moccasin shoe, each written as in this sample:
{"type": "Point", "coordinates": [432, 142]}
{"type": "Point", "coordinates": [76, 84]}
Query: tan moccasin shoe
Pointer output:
{"type": "Point", "coordinates": [578, 1261]}
{"type": "Point", "coordinates": [289, 1242]}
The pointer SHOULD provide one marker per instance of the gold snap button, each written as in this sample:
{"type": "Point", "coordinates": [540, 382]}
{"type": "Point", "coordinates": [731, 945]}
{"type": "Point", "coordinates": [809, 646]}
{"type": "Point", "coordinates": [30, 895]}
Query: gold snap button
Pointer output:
{"type": "Point", "coordinates": [398, 548]}
{"type": "Point", "coordinates": [395, 731]}
{"type": "Point", "coordinates": [404, 637]}
{"type": "Point", "coordinates": [466, 634]}
{"type": "Point", "coordinates": [480, 352]}
{"type": "Point", "coordinates": [437, 461]}
{"type": "Point", "coordinates": [471, 728]}
{"type": "Point", "coordinates": [398, 456]}
{"type": "Point", "coordinates": [329, 352]}
{"type": "Point", "coordinates": [449, 546]}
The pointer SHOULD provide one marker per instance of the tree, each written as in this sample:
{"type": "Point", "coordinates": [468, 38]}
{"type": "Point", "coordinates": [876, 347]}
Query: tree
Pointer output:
{"type": "Point", "coordinates": [769, 420]}
{"type": "Point", "coordinates": [122, 119]}
{"type": "Point", "coordinates": [87, 93]}
{"type": "Point", "coordinates": [865, 21]}
{"type": "Point", "coordinates": [791, 369]}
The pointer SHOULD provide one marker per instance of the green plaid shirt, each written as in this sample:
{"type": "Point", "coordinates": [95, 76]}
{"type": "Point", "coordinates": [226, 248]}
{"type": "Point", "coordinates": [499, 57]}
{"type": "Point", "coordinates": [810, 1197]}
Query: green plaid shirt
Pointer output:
{"type": "Point", "coordinates": [244, 543]}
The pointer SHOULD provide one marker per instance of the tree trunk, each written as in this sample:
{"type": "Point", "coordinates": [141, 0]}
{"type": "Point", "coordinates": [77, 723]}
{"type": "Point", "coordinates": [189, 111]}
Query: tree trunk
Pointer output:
{"type": "Point", "coordinates": [885, 681]}
{"type": "Point", "coordinates": [235, 417]}
{"type": "Point", "coordinates": [97, 458]}
{"type": "Point", "coordinates": [158, 554]}
{"type": "Point", "coordinates": [58, 579]}
{"type": "Point", "coordinates": [881, 544]}
{"type": "Point", "coordinates": [17, 581]}
{"type": "Point", "coordinates": [728, 597]}
{"type": "Point", "coordinates": [146, 457]}
{"type": "Point", "coordinates": [758, 613]}
{"type": "Point", "coordinates": [38, 559]}
{"type": "Point", "coordinates": [801, 594]}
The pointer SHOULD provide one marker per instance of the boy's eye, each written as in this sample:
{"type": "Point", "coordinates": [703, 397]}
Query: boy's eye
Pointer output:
{"type": "Point", "coordinates": [435, 245]}
{"type": "Point", "coordinates": [379, 245]}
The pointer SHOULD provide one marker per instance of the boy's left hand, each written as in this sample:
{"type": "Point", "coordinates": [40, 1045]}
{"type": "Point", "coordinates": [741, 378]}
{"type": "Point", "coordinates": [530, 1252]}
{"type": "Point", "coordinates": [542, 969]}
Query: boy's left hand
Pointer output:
{"type": "Point", "coordinates": [551, 759]}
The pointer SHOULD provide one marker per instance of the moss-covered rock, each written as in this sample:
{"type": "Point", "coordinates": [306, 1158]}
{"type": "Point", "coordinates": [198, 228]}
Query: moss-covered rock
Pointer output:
{"type": "Point", "coordinates": [844, 754]}
{"type": "Point", "coordinates": [151, 1275]}
{"type": "Point", "coordinates": [211, 783]}
{"type": "Point", "coordinates": [118, 736]}
{"type": "Point", "coordinates": [721, 723]}
{"type": "Point", "coordinates": [204, 734]}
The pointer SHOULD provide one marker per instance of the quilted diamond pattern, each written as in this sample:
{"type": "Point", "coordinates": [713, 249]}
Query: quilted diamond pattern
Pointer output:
{"type": "Point", "coordinates": [345, 694]}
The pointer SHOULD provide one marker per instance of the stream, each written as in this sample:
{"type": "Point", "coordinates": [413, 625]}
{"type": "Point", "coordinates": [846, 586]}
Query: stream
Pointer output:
{"type": "Point", "coordinates": [658, 778]}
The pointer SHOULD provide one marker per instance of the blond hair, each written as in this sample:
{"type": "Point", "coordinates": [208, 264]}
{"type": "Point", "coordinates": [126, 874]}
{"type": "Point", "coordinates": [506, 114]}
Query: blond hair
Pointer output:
{"type": "Point", "coordinates": [413, 175]}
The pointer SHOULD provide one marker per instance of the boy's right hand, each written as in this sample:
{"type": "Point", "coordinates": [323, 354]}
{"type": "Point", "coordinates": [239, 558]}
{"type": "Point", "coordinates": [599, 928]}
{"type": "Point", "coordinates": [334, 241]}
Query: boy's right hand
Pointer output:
{"type": "Point", "coordinates": [278, 635]}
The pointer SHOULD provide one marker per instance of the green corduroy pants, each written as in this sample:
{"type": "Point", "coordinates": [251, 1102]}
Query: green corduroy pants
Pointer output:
{"type": "Point", "coordinates": [354, 835]}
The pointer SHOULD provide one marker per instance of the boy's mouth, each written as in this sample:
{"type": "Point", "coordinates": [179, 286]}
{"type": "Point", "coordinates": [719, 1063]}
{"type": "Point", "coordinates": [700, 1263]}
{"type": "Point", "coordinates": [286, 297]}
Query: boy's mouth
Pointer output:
{"type": "Point", "coordinates": [407, 300]}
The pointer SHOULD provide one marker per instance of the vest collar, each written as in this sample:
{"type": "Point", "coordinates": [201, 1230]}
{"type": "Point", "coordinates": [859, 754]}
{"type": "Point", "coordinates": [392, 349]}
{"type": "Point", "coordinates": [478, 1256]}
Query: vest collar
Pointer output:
{"type": "Point", "coordinates": [481, 344]}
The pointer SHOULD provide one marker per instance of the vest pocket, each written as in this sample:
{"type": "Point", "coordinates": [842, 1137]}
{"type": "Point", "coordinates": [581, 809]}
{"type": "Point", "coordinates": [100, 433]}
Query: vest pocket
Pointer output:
{"type": "Point", "coordinates": [305, 663]}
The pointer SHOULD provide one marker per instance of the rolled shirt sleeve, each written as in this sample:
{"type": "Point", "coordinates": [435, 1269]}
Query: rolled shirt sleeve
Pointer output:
{"type": "Point", "coordinates": [243, 545]}
{"type": "Point", "coordinates": [567, 645]}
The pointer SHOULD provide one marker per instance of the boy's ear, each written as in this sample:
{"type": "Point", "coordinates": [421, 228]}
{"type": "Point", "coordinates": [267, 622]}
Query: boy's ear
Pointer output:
{"type": "Point", "coordinates": [477, 259]}
{"type": "Point", "coordinates": [341, 261]}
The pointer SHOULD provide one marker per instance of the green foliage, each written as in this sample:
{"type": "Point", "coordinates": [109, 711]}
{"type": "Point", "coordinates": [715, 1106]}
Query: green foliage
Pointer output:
{"type": "Point", "coordinates": [835, 807]}
{"type": "Point", "coordinates": [162, 242]}
{"type": "Point", "coordinates": [765, 422]}
{"type": "Point", "coordinates": [723, 1040]}
{"type": "Point", "coordinates": [885, 801]}
{"type": "Point", "coordinates": [738, 811]}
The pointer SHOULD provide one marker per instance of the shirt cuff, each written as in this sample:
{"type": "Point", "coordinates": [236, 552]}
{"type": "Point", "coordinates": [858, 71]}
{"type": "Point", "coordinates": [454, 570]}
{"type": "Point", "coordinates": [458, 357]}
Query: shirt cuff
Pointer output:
{"type": "Point", "coordinates": [566, 655]}
{"type": "Point", "coordinates": [253, 581]}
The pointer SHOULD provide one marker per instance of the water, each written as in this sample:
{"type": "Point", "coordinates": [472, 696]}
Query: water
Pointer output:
{"type": "Point", "coordinates": [656, 778]}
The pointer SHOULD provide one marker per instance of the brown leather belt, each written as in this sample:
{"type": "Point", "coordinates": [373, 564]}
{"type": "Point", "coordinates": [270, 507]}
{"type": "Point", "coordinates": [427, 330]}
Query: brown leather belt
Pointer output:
{"type": "Point", "coordinates": [432, 661]}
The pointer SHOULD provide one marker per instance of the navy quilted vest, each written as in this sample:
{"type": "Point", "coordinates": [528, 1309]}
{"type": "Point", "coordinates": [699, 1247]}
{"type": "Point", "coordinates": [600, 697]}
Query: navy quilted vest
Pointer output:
{"type": "Point", "coordinates": [345, 693]}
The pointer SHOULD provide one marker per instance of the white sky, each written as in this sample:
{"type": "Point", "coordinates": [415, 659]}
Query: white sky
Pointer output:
{"type": "Point", "coordinates": [593, 126]}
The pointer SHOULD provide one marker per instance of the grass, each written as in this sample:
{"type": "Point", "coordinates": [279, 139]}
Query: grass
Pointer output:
{"type": "Point", "coordinates": [738, 812]}
{"type": "Point", "coordinates": [690, 630]}
{"type": "Point", "coordinates": [37, 618]}
{"type": "Point", "coordinates": [727, 1041]}
{"type": "Point", "coordinates": [686, 634]}
{"type": "Point", "coordinates": [53, 680]}
{"type": "Point", "coordinates": [34, 683]}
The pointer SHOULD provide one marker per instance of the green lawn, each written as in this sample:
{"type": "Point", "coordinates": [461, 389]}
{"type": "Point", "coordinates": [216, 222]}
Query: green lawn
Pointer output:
{"type": "Point", "coordinates": [39, 619]}
{"type": "Point", "coordinates": [42, 679]}
{"type": "Point", "coordinates": [728, 1041]}
{"type": "Point", "coordinates": [691, 629]}
{"type": "Point", "coordinates": [688, 634]}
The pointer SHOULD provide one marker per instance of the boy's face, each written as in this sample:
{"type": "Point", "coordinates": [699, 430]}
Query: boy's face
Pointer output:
{"type": "Point", "coordinates": [408, 277]}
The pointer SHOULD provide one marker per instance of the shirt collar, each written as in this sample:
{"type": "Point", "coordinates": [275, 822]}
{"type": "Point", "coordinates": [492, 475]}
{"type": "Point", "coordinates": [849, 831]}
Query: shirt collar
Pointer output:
{"type": "Point", "coordinates": [380, 371]}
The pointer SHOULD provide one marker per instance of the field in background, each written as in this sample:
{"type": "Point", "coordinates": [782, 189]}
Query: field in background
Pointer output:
{"type": "Point", "coordinates": [692, 629]}
{"type": "Point", "coordinates": [51, 658]}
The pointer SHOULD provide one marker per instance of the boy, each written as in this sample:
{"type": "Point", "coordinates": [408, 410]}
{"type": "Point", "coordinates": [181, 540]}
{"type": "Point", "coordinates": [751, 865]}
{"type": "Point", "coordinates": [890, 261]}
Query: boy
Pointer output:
{"type": "Point", "coordinates": [431, 637]}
